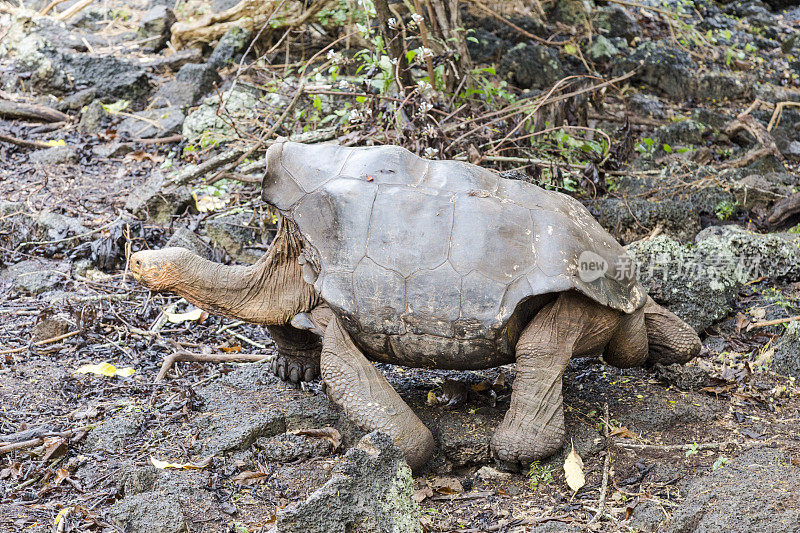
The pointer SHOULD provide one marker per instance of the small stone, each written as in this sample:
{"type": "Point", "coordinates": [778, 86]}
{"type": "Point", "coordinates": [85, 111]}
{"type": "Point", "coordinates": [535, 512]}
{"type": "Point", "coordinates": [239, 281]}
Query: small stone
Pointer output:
{"type": "Point", "coordinates": [93, 117]}
{"type": "Point", "coordinates": [32, 277]}
{"type": "Point", "coordinates": [531, 66]}
{"type": "Point", "coordinates": [647, 105]}
{"type": "Point", "coordinates": [602, 49]}
{"type": "Point", "coordinates": [169, 120]}
{"type": "Point", "coordinates": [113, 434]}
{"type": "Point", "coordinates": [49, 327]}
{"type": "Point", "coordinates": [78, 100]}
{"type": "Point", "coordinates": [230, 47]}
{"type": "Point", "coordinates": [112, 150]}
{"type": "Point", "coordinates": [669, 69]}
{"type": "Point", "coordinates": [786, 359]}
{"type": "Point", "coordinates": [185, 238]}
{"type": "Point", "coordinates": [57, 155]}
{"type": "Point", "coordinates": [792, 150]}
{"type": "Point", "coordinates": [238, 104]}
{"type": "Point", "coordinates": [236, 234]}
{"type": "Point", "coordinates": [620, 23]}
{"type": "Point", "coordinates": [155, 26]}
{"type": "Point", "coordinates": [158, 199]}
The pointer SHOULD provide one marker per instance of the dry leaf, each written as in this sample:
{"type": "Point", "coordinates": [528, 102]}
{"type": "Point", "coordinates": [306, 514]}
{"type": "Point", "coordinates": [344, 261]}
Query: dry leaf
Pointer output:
{"type": "Point", "coordinates": [54, 447]}
{"type": "Point", "coordinates": [62, 514]}
{"type": "Point", "coordinates": [446, 485]}
{"type": "Point", "coordinates": [106, 369]}
{"type": "Point", "coordinates": [421, 494]}
{"type": "Point", "coordinates": [181, 466]}
{"type": "Point", "coordinates": [250, 478]}
{"type": "Point", "coordinates": [236, 348]}
{"type": "Point", "coordinates": [330, 434]}
{"type": "Point", "coordinates": [141, 155]}
{"type": "Point", "coordinates": [197, 315]}
{"type": "Point", "coordinates": [573, 470]}
{"type": "Point", "coordinates": [624, 433]}
{"type": "Point", "coordinates": [61, 475]}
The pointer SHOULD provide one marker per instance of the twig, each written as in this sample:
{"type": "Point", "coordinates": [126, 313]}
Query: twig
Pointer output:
{"type": "Point", "coordinates": [606, 467]}
{"type": "Point", "coordinates": [184, 356]}
{"type": "Point", "coordinates": [22, 142]}
{"type": "Point", "coordinates": [510, 24]}
{"type": "Point", "coordinates": [248, 340]}
{"type": "Point", "coordinates": [772, 322]}
{"type": "Point", "coordinates": [648, 8]}
{"type": "Point", "coordinates": [74, 10]}
{"type": "Point", "coordinates": [50, 6]}
{"type": "Point", "coordinates": [65, 239]}
{"type": "Point", "coordinates": [41, 343]}
{"type": "Point", "coordinates": [161, 140]}
{"type": "Point", "coordinates": [776, 115]}
{"type": "Point", "coordinates": [676, 447]}
{"type": "Point", "coordinates": [40, 113]}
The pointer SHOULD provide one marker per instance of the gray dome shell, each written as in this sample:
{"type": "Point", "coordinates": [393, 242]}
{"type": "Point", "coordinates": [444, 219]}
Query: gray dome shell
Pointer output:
{"type": "Point", "coordinates": [425, 262]}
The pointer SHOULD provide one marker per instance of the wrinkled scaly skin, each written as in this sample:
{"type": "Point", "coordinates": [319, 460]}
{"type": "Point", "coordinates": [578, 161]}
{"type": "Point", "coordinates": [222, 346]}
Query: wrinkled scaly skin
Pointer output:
{"type": "Point", "coordinates": [315, 335]}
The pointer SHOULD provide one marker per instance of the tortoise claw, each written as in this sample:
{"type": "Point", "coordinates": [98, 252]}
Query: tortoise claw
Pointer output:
{"type": "Point", "coordinates": [295, 369]}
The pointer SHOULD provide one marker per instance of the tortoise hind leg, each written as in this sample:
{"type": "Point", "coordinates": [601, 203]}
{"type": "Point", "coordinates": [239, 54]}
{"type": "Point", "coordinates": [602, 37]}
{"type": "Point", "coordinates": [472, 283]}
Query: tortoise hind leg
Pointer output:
{"type": "Point", "coordinates": [628, 347]}
{"type": "Point", "coordinates": [533, 427]}
{"type": "Point", "coordinates": [670, 339]}
{"type": "Point", "coordinates": [368, 399]}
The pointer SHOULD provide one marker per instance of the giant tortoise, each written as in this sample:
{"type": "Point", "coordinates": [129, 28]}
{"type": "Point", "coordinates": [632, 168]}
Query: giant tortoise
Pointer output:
{"type": "Point", "coordinates": [388, 257]}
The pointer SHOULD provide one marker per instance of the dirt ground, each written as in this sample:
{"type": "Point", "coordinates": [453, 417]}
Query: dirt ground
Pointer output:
{"type": "Point", "coordinates": [710, 446]}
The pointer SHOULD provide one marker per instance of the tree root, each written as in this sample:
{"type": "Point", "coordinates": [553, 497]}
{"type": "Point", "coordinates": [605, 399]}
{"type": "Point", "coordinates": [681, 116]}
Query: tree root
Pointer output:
{"type": "Point", "coordinates": [39, 113]}
{"type": "Point", "coordinates": [785, 209]}
{"type": "Point", "coordinates": [184, 356]}
{"type": "Point", "coordinates": [763, 137]}
{"type": "Point", "coordinates": [250, 15]}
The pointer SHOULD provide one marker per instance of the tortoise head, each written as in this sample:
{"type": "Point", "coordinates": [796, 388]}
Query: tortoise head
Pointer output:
{"type": "Point", "coordinates": [160, 270]}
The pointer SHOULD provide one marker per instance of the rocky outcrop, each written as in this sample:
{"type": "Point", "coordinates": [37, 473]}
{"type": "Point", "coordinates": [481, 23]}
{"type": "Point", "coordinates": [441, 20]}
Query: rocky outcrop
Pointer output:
{"type": "Point", "coordinates": [371, 490]}
{"type": "Point", "coordinates": [698, 281]}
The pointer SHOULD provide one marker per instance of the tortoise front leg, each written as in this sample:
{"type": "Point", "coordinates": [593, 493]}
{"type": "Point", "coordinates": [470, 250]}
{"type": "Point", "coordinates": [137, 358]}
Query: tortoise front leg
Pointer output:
{"type": "Point", "coordinates": [298, 353]}
{"type": "Point", "coordinates": [368, 399]}
{"type": "Point", "coordinates": [533, 427]}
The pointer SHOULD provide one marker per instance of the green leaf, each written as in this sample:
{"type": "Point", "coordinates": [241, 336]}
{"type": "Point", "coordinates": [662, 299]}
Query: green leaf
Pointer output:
{"type": "Point", "coordinates": [116, 107]}
{"type": "Point", "coordinates": [667, 148]}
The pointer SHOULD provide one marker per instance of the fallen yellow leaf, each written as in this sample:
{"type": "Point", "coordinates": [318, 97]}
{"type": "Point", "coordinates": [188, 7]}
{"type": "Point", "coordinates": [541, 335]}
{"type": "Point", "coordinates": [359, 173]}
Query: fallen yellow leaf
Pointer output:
{"type": "Point", "coordinates": [106, 369]}
{"type": "Point", "coordinates": [573, 470]}
{"type": "Point", "coordinates": [61, 515]}
{"type": "Point", "coordinates": [59, 142]}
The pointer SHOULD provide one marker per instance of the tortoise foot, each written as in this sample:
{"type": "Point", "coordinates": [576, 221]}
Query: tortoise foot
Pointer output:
{"type": "Point", "coordinates": [515, 448]}
{"type": "Point", "coordinates": [295, 369]}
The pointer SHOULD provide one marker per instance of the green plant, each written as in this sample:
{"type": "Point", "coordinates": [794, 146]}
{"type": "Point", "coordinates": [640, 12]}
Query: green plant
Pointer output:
{"type": "Point", "coordinates": [693, 449]}
{"type": "Point", "coordinates": [645, 146]}
{"type": "Point", "coordinates": [539, 475]}
{"type": "Point", "coordinates": [720, 462]}
{"type": "Point", "coordinates": [724, 209]}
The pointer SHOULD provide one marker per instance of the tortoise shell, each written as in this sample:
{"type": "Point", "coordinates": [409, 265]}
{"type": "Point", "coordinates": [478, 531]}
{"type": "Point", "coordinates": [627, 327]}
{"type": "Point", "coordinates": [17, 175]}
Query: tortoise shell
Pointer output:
{"type": "Point", "coordinates": [437, 264]}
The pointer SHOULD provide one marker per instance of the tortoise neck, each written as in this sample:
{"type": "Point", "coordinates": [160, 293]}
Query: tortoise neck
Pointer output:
{"type": "Point", "coordinates": [271, 291]}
